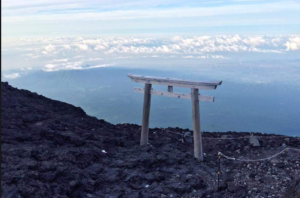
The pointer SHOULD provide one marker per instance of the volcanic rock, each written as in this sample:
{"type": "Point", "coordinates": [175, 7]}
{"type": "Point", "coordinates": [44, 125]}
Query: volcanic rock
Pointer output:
{"type": "Point", "coordinates": [53, 149]}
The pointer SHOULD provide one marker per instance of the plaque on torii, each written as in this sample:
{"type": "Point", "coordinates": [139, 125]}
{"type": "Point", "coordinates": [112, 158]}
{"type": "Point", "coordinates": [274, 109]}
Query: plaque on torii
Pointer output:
{"type": "Point", "coordinates": [171, 82]}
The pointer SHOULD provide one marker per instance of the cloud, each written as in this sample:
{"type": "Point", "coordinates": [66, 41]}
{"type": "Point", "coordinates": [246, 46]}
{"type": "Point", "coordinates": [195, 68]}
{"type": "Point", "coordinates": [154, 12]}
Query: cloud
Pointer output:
{"type": "Point", "coordinates": [100, 47]}
{"type": "Point", "coordinates": [49, 48]}
{"type": "Point", "coordinates": [82, 47]}
{"type": "Point", "coordinates": [218, 57]}
{"type": "Point", "coordinates": [174, 45]}
{"type": "Point", "coordinates": [293, 44]}
{"type": "Point", "coordinates": [79, 65]}
{"type": "Point", "coordinates": [12, 76]}
{"type": "Point", "coordinates": [67, 46]}
{"type": "Point", "coordinates": [60, 60]}
{"type": "Point", "coordinates": [188, 57]}
{"type": "Point", "coordinates": [77, 10]}
{"type": "Point", "coordinates": [206, 57]}
{"type": "Point", "coordinates": [64, 52]}
{"type": "Point", "coordinates": [254, 41]}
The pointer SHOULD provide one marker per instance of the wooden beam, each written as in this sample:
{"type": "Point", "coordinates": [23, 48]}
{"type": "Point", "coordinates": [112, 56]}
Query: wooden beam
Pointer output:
{"type": "Point", "coordinates": [146, 115]}
{"type": "Point", "coordinates": [198, 152]}
{"type": "Point", "coordinates": [175, 95]}
{"type": "Point", "coordinates": [174, 82]}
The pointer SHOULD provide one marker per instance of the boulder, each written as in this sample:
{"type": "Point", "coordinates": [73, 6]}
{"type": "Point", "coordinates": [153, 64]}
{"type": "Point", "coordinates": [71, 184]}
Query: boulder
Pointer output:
{"type": "Point", "coordinates": [254, 141]}
{"type": "Point", "coordinates": [188, 137]}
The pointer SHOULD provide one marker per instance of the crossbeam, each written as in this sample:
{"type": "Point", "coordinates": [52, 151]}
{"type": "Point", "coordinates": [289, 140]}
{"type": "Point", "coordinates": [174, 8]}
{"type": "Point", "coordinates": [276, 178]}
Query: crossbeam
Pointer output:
{"type": "Point", "coordinates": [175, 95]}
{"type": "Point", "coordinates": [174, 82]}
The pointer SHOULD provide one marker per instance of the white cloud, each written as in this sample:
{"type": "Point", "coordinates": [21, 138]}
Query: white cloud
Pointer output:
{"type": "Point", "coordinates": [254, 41]}
{"type": "Point", "coordinates": [60, 60]}
{"type": "Point", "coordinates": [175, 45]}
{"type": "Point", "coordinates": [79, 65]}
{"type": "Point", "coordinates": [49, 48]}
{"type": "Point", "coordinates": [206, 57]}
{"type": "Point", "coordinates": [15, 14]}
{"type": "Point", "coordinates": [50, 67]}
{"type": "Point", "coordinates": [12, 76]}
{"type": "Point", "coordinates": [64, 52]}
{"type": "Point", "coordinates": [94, 59]}
{"type": "Point", "coordinates": [293, 43]}
{"type": "Point", "coordinates": [188, 57]}
{"type": "Point", "coordinates": [67, 46]}
{"type": "Point", "coordinates": [100, 47]}
{"type": "Point", "coordinates": [82, 47]}
{"type": "Point", "coordinates": [218, 57]}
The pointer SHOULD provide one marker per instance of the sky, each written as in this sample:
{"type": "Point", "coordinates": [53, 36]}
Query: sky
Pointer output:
{"type": "Point", "coordinates": [54, 35]}
{"type": "Point", "coordinates": [40, 18]}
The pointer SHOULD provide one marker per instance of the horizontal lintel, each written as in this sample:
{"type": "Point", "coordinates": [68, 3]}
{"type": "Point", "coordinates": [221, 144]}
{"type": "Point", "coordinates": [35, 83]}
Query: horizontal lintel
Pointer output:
{"type": "Point", "coordinates": [176, 95]}
{"type": "Point", "coordinates": [174, 82]}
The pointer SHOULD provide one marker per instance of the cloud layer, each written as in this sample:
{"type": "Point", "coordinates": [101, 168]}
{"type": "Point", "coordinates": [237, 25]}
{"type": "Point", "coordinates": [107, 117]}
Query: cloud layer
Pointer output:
{"type": "Point", "coordinates": [62, 53]}
{"type": "Point", "coordinates": [173, 45]}
{"type": "Point", "coordinates": [11, 76]}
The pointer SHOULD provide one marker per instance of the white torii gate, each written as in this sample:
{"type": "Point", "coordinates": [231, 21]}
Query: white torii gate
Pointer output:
{"type": "Point", "coordinates": [170, 82]}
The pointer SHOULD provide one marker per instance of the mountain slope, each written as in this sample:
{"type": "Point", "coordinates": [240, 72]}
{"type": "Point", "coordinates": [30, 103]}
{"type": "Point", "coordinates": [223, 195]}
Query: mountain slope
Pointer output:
{"type": "Point", "coordinates": [53, 149]}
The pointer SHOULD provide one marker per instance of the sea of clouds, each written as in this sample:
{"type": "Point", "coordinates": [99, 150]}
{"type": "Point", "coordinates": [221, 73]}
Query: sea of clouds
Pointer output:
{"type": "Point", "coordinates": [78, 53]}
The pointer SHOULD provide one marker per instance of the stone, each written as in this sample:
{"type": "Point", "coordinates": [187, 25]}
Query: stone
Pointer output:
{"type": "Point", "coordinates": [133, 195]}
{"type": "Point", "coordinates": [252, 175]}
{"type": "Point", "coordinates": [226, 136]}
{"type": "Point", "coordinates": [246, 147]}
{"type": "Point", "coordinates": [180, 188]}
{"type": "Point", "coordinates": [297, 189]}
{"type": "Point", "coordinates": [187, 137]}
{"type": "Point", "coordinates": [253, 141]}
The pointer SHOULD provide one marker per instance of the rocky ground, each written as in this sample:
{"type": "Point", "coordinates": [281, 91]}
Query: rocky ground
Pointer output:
{"type": "Point", "coordinates": [53, 149]}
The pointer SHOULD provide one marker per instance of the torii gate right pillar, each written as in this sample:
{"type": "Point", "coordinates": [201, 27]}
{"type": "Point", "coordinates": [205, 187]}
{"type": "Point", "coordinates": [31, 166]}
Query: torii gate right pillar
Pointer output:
{"type": "Point", "coordinates": [146, 115]}
{"type": "Point", "coordinates": [198, 152]}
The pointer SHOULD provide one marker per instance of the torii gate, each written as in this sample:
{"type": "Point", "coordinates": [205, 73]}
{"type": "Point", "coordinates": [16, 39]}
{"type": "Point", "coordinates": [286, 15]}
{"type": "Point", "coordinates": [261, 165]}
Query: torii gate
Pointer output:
{"type": "Point", "coordinates": [194, 95]}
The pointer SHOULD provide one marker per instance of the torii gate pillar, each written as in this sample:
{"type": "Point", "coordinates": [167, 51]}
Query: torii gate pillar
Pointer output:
{"type": "Point", "coordinates": [198, 152]}
{"type": "Point", "coordinates": [146, 115]}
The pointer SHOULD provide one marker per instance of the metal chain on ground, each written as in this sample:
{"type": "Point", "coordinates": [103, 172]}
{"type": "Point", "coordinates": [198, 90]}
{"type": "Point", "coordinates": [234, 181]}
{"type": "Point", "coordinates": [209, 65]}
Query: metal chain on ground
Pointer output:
{"type": "Point", "coordinates": [256, 160]}
{"type": "Point", "coordinates": [244, 137]}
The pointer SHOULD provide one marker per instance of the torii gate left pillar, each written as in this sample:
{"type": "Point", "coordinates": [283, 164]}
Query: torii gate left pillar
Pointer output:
{"type": "Point", "coordinates": [146, 115]}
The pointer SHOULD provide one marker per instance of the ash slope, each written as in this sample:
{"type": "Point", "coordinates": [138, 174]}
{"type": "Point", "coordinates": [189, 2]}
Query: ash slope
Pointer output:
{"type": "Point", "coordinates": [53, 149]}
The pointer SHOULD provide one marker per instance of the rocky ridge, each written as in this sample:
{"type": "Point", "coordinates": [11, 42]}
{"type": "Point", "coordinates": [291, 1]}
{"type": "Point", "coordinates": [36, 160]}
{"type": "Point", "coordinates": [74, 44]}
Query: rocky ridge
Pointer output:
{"type": "Point", "coordinates": [53, 149]}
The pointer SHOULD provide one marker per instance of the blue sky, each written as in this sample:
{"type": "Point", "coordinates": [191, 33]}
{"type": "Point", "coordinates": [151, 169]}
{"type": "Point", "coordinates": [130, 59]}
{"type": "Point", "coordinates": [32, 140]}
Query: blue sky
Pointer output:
{"type": "Point", "coordinates": [54, 35]}
{"type": "Point", "coordinates": [38, 18]}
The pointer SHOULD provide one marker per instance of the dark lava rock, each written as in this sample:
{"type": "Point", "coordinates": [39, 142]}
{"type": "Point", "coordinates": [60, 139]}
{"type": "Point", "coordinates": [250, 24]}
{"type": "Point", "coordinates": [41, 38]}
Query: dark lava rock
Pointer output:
{"type": "Point", "coordinates": [188, 137]}
{"type": "Point", "coordinates": [53, 149]}
{"type": "Point", "coordinates": [180, 188]}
